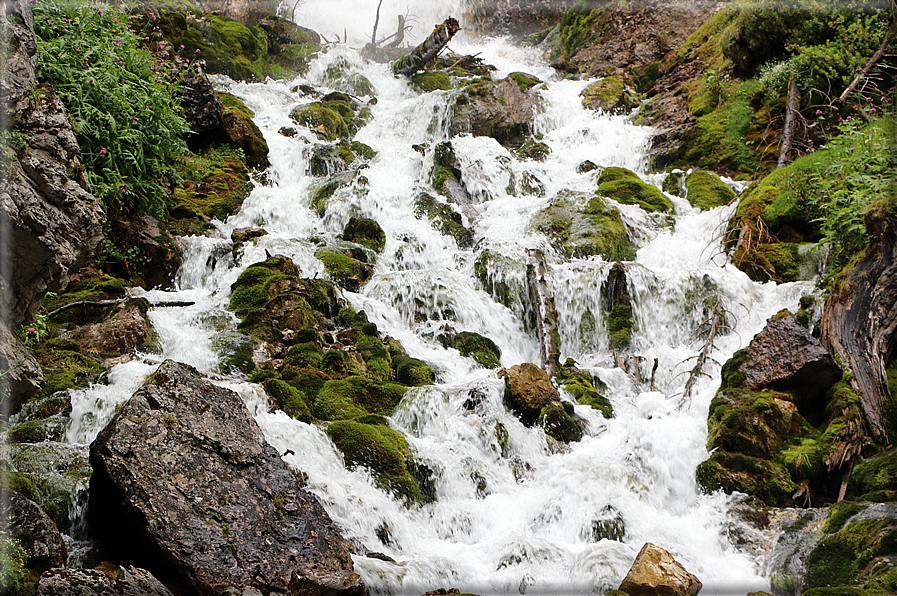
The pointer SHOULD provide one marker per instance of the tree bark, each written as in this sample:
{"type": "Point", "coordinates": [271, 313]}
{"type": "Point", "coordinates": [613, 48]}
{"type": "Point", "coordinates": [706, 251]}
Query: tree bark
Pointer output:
{"type": "Point", "coordinates": [546, 315]}
{"type": "Point", "coordinates": [422, 54]}
{"type": "Point", "coordinates": [859, 324]}
{"type": "Point", "coordinates": [790, 119]}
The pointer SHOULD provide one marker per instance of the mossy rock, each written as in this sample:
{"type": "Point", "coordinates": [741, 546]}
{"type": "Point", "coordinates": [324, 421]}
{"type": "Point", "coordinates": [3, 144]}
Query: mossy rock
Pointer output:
{"type": "Point", "coordinates": [445, 219]}
{"type": "Point", "coordinates": [533, 149]}
{"type": "Point", "coordinates": [216, 182]}
{"type": "Point", "coordinates": [343, 268]}
{"type": "Point", "coordinates": [428, 81]}
{"type": "Point", "coordinates": [482, 349]}
{"type": "Point", "coordinates": [877, 473]}
{"type": "Point", "coordinates": [524, 81]}
{"type": "Point", "coordinates": [322, 194]}
{"type": "Point", "coordinates": [381, 449]}
{"type": "Point", "coordinates": [705, 190]}
{"type": "Point", "coordinates": [560, 423]}
{"type": "Point", "coordinates": [289, 399]}
{"type": "Point", "coordinates": [446, 174]}
{"type": "Point", "coordinates": [581, 226]}
{"type": "Point", "coordinates": [856, 555]}
{"type": "Point", "coordinates": [413, 372]}
{"type": "Point", "coordinates": [619, 319]}
{"type": "Point", "coordinates": [339, 75]}
{"type": "Point", "coordinates": [366, 232]}
{"type": "Point", "coordinates": [586, 390]}
{"type": "Point", "coordinates": [354, 396]}
{"type": "Point", "coordinates": [764, 480]}
{"type": "Point", "coordinates": [324, 121]}
{"type": "Point", "coordinates": [674, 183]}
{"type": "Point", "coordinates": [39, 431]}
{"type": "Point", "coordinates": [261, 282]}
{"type": "Point", "coordinates": [610, 94]}
{"type": "Point", "coordinates": [242, 132]}
{"type": "Point", "coordinates": [754, 424]}
{"type": "Point", "coordinates": [66, 369]}
{"type": "Point", "coordinates": [626, 187]}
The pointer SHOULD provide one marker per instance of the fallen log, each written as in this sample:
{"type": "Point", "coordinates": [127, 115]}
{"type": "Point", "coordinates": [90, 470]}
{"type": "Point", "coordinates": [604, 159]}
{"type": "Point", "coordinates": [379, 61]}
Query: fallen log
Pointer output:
{"type": "Point", "coordinates": [422, 54]}
{"type": "Point", "coordinates": [104, 303]}
{"type": "Point", "coordinates": [790, 119]}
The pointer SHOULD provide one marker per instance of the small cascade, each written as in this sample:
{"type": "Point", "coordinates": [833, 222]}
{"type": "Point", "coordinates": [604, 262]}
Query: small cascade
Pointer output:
{"type": "Point", "coordinates": [508, 509]}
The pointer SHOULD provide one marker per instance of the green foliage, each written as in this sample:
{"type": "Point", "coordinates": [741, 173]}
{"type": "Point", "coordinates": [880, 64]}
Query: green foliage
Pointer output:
{"type": "Point", "coordinates": [720, 134]}
{"type": "Point", "coordinates": [123, 115]}
{"type": "Point", "coordinates": [580, 26]}
{"type": "Point", "coordinates": [860, 170]}
{"type": "Point", "coordinates": [13, 573]}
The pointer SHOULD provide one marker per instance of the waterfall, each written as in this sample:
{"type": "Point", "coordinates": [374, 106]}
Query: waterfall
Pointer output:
{"type": "Point", "coordinates": [515, 511]}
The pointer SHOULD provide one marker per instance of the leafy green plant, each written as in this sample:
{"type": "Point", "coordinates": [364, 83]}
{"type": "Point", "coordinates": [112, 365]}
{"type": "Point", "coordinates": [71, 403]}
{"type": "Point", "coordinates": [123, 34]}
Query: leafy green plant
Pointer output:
{"type": "Point", "coordinates": [122, 112]}
{"type": "Point", "coordinates": [12, 564]}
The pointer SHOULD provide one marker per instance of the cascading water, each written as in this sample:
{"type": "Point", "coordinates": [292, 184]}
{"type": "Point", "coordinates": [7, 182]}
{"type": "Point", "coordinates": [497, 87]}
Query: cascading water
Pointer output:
{"type": "Point", "coordinates": [515, 511]}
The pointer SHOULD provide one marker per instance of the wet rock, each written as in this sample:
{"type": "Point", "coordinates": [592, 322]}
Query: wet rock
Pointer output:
{"type": "Point", "coordinates": [159, 256]}
{"type": "Point", "coordinates": [516, 18]}
{"type": "Point", "coordinates": [25, 521]}
{"type": "Point", "coordinates": [497, 109]}
{"type": "Point", "coordinates": [626, 187]}
{"type": "Point", "coordinates": [201, 108]}
{"type": "Point", "coordinates": [559, 422]}
{"type": "Point", "coordinates": [480, 348]}
{"type": "Point", "coordinates": [111, 580]}
{"type": "Point", "coordinates": [189, 489]}
{"type": "Point", "coordinates": [347, 266]}
{"type": "Point", "coordinates": [24, 378]}
{"type": "Point", "coordinates": [240, 131]}
{"type": "Point", "coordinates": [618, 307]}
{"type": "Point", "coordinates": [366, 232]}
{"type": "Point", "coordinates": [240, 235]}
{"type": "Point", "coordinates": [655, 572]}
{"type": "Point", "coordinates": [785, 357]}
{"type": "Point", "coordinates": [125, 330]}
{"type": "Point", "coordinates": [579, 225]}
{"type": "Point", "coordinates": [528, 389]}
{"type": "Point", "coordinates": [611, 95]}
{"type": "Point", "coordinates": [444, 218]}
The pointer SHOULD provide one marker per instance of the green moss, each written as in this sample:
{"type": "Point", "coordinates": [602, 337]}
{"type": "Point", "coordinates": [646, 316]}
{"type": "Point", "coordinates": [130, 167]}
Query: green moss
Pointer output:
{"type": "Point", "coordinates": [64, 369]}
{"type": "Point", "coordinates": [535, 150]}
{"type": "Point", "coordinates": [238, 116]}
{"type": "Point", "coordinates": [878, 473]}
{"type": "Point", "coordinates": [619, 320]}
{"type": "Point", "coordinates": [413, 372]}
{"type": "Point", "coordinates": [635, 192]}
{"type": "Point", "coordinates": [674, 183]}
{"type": "Point", "coordinates": [382, 450]}
{"type": "Point", "coordinates": [345, 270]}
{"type": "Point", "coordinates": [256, 286]}
{"type": "Point", "coordinates": [216, 182]}
{"type": "Point", "coordinates": [289, 399]}
{"type": "Point", "coordinates": [610, 94]}
{"type": "Point", "coordinates": [585, 390]}
{"type": "Point", "coordinates": [524, 81]}
{"type": "Point", "coordinates": [445, 219]}
{"type": "Point", "coordinates": [842, 558]}
{"type": "Point", "coordinates": [838, 515]}
{"type": "Point", "coordinates": [19, 483]}
{"type": "Point", "coordinates": [757, 477]}
{"type": "Point", "coordinates": [705, 190]}
{"type": "Point", "coordinates": [560, 424]}
{"type": "Point", "coordinates": [305, 355]}
{"type": "Point", "coordinates": [90, 289]}
{"type": "Point", "coordinates": [482, 349]}
{"type": "Point", "coordinates": [324, 120]}
{"type": "Point", "coordinates": [431, 81]}
{"type": "Point", "coordinates": [732, 377]}
{"type": "Point", "coordinates": [581, 25]}
{"type": "Point", "coordinates": [366, 232]}
{"type": "Point", "coordinates": [595, 229]}
{"type": "Point", "coordinates": [322, 195]}
{"type": "Point", "coordinates": [356, 396]}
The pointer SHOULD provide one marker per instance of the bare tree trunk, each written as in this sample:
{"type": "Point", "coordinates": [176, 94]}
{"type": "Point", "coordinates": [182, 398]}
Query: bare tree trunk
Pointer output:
{"type": "Point", "coordinates": [790, 119]}
{"type": "Point", "coordinates": [860, 323]}
{"type": "Point", "coordinates": [419, 56]}
{"type": "Point", "coordinates": [546, 316]}
{"type": "Point", "coordinates": [376, 24]}
{"type": "Point", "coordinates": [400, 34]}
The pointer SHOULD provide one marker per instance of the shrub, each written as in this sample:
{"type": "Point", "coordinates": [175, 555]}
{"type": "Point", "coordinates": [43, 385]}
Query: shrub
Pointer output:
{"type": "Point", "coordinates": [123, 115]}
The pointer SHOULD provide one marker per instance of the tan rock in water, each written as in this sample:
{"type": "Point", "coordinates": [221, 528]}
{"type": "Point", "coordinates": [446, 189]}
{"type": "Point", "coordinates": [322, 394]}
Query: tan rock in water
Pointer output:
{"type": "Point", "coordinates": [656, 573]}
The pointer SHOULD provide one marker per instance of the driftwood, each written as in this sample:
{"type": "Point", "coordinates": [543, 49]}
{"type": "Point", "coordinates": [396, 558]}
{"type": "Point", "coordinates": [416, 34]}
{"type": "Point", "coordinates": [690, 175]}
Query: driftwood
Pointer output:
{"type": "Point", "coordinates": [104, 303]}
{"type": "Point", "coordinates": [422, 54]}
{"type": "Point", "coordinates": [790, 119]}
{"type": "Point", "coordinates": [859, 324]}
{"type": "Point", "coordinates": [712, 325]}
{"type": "Point", "coordinates": [872, 62]}
{"type": "Point", "coordinates": [546, 315]}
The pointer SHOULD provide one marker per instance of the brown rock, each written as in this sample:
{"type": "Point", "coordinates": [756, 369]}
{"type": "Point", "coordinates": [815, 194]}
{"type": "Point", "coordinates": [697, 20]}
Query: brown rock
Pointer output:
{"type": "Point", "coordinates": [127, 329]}
{"type": "Point", "coordinates": [528, 389]}
{"type": "Point", "coordinates": [785, 357]}
{"type": "Point", "coordinates": [656, 573]}
{"type": "Point", "coordinates": [189, 489]}
{"type": "Point", "coordinates": [497, 109]}
{"type": "Point", "coordinates": [107, 580]}
{"type": "Point", "coordinates": [25, 521]}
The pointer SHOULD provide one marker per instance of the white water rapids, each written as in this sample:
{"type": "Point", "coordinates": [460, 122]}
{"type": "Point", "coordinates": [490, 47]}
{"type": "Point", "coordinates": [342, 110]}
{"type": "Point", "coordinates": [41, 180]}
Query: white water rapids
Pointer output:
{"type": "Point", "coordinates": [511, 520]}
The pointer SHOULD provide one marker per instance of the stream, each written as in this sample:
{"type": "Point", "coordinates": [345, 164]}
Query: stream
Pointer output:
{"type": "Point", "coordinates": [514, 517]}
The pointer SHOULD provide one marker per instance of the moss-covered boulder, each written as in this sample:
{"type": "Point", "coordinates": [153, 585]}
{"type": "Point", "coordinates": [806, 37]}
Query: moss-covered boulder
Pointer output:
{"type": "Point", "coordinates": [241, 132]}
{"type": "Point", "coordinates": [446, 174]}
{"type": "Point", "coordinates": [626, 187]}
{"type": "Point", "coordinates": [346, 266]}
{"type": "Point", "coordinates": [445, 219]}
{"type": "Point", "coordinates": [429, 80]}
{"type": "Point", "coordinates": [382, 450]}
{"type": "Point", "coordinates": [328, 160]}
{"type": "Point", "coordinates": [610, 94]}
{"type": "Point", "coordinates": [674, 183]}
{"type": "Point", "coordinates": [859, 556]}
{"type": "Point", "coordinates": [875, 478]}
{"type": "Point", "coordinates": [354, 396]}
{"type": "Point", "coordinates": [559, 422]}
{"type": "Point", "coordinates": [705, 190]}
{"type": "Point", "coordinates": [580, 226]}
{"type": "Point", "coordinates": [533, 149]}
{"type": "Point", "coordinates": [366, 232]}
{"type": "Point", "coordinates": [587, 390]}
{"type": "Point", "coordinates": [528, 389]}
{"type": "Point", "coordinates": [335, 116]}
{"type": "Point", "coordinates": [482, 349]}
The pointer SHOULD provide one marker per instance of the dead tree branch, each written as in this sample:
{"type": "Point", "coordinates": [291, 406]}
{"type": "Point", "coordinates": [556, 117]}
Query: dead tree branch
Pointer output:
{"type": "Point", "coordinates": [790, 118]}
{"type": "Point", "coordinates": [422, 54]}
{"type": "Point", "coordinates": [872, 61]}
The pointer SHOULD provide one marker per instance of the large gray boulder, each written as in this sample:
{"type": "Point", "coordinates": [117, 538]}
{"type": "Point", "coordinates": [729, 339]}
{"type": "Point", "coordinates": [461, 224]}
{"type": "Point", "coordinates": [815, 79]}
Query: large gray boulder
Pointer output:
{"type": "Point", "coordinates": [188, 488]}
{"type": "Point", "coordinates": [50, 224]}
{"type": "Point", "coordinates": [24, 520]}
{"type": "Point", "coordinates": [784, 356]}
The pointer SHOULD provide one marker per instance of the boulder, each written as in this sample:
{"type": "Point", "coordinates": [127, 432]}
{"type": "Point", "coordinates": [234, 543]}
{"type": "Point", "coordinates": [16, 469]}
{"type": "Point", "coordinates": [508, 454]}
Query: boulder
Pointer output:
{"type": "Point", "coordinates": [497, 109]}
{"type": "Point", "coordinates": [158, 255]}
{"type": "Point", "coordinates": [25, 521]}
{"type": "Point", "coordinates": [202, 109]}
{"type": "Point", "coordinates": [785, 357]}
{"type": "Point", "coordinates": [656, 573]}
{"type": "Point", "coordinates": [189, 489]}
{"type": "Point", "coordinates": [528, 389]}
{"type": "Point", "coordinates": [24, 378]}
{"type": "Point", "coordinates": [125, 330]}
{"type": "Point", "coordinates": [107, 580]}
{"type": "Point", "coordinates": [579, 225]}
